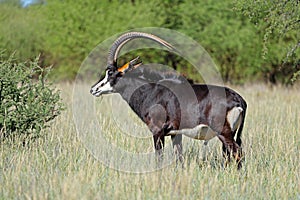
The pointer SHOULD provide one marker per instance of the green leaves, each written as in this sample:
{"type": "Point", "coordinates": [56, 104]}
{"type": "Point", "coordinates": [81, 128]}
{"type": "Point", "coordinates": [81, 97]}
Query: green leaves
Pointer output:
{"type": "Point", "coordinates": [26, 104]}
{"type": "Point", "coordinates": [278, 23]}
{"type": "Point", "coordinates": [248, 40]}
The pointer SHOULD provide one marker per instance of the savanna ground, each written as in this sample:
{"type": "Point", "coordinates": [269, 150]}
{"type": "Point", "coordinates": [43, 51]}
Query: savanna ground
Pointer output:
{"type": "Point", "coordinates": [57, 166]}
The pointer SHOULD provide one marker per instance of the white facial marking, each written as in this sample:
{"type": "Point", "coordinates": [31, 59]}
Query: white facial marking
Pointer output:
{"type": "Point", "coordinates": [234, 117]}
{"type": "Point", "coordinates": [200, 132]}
{"type": "Point", "coordinates": [103, 87]}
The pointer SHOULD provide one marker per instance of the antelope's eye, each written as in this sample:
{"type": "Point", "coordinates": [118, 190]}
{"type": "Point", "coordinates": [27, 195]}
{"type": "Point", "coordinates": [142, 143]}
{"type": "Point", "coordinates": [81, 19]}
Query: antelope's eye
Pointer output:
{"type": "Point", "coordinates": [110, 72]}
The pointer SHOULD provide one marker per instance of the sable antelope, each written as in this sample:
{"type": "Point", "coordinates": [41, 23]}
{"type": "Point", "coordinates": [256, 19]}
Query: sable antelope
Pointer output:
{"type": "Point", "coordinates": [171, 106]}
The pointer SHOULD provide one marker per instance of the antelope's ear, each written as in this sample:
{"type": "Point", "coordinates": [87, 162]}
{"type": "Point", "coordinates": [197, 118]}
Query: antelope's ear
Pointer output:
{"type": "Point", "coordinates": [130, 65]}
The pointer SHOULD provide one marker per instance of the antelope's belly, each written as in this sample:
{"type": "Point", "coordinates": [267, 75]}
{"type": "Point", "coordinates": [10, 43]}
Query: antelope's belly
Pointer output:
{"type": "Point", "coordinates": [200, 132]}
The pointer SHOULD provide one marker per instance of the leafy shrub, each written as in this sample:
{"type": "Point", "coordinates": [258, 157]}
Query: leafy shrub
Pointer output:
{"type": "Point", "coordinates": [27, 102]}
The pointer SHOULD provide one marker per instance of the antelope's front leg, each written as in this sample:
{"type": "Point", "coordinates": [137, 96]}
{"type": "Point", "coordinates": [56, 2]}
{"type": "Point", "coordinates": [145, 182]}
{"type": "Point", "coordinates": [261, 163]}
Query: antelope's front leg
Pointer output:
{"type": "Point", "coordinates": [159, 143]}
{"type": "Point", "coordinates": [177, 146]}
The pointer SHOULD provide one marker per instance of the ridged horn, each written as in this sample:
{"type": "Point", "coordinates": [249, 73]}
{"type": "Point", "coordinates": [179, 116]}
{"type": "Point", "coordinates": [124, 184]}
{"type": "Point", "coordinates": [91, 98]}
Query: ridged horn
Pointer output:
{"type": "Point", "coordinates": [123, 39]}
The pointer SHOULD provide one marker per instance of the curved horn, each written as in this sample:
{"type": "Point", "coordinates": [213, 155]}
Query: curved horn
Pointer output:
{"type": "Point", "coordinates": [123, 39]}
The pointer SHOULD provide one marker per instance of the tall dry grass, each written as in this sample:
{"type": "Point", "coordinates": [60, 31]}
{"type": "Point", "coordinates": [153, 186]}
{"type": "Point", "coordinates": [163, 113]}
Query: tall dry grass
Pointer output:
{"type": "Point", "coordinates": [58, 166]}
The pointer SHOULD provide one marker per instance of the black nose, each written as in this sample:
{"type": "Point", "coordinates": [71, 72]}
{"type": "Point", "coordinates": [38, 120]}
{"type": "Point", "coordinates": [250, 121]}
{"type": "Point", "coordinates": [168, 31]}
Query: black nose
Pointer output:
{"type": "Point", "coordinates": [91, 91]}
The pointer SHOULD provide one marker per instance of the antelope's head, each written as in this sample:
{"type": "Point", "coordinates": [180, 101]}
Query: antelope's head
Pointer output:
{"type": "Point", "coordinates": [113, 73]}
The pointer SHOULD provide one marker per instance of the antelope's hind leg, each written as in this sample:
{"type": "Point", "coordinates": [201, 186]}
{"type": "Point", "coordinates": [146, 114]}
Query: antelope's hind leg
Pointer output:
{"type": "Point", "coordinates": [230, 147]}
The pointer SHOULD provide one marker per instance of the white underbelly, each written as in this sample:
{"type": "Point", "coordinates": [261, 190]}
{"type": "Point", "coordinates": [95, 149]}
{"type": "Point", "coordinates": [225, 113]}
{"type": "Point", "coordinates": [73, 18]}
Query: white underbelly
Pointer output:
{"type": "Point", "coordinates": [200, 132]}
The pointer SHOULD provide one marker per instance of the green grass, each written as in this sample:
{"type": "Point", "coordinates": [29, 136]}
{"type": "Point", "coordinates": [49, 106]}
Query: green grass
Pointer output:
{"type": "Point", "coordinates": [57, 166]}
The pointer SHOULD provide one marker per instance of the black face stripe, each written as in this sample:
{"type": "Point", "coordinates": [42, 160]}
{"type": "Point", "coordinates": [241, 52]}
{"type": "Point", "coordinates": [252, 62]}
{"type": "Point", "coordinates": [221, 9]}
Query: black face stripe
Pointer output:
{"type": "Point", "coordinates": [97, 83]}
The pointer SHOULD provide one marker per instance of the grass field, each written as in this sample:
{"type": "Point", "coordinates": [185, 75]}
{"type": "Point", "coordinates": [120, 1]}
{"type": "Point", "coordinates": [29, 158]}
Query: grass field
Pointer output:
{"type": "Point", "coordinates": [58, 166]}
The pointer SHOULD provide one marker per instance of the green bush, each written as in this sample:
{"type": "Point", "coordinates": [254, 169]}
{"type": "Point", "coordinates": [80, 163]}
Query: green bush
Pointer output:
{"type": "Point", "coordinates": [28, 102]}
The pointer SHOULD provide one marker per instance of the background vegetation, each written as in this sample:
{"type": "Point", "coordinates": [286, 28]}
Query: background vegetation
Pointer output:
{"type": "Point", "coordinates": [27, 101]}
{"type": "Point", "coordinates": [262, 47]}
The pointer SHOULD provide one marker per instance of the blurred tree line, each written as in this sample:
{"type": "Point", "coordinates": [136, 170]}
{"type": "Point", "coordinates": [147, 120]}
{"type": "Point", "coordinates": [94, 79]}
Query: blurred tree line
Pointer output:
{"type": "Point", "coordinates": [248, 40]}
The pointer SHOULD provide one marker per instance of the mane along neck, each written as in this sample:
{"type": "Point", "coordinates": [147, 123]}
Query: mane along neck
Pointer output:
{"type": "Point", "coordinates": [151, 74]}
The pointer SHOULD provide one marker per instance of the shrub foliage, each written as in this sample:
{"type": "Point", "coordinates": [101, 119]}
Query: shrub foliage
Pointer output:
{"type": "Point", "coordinates": [248, 40]}
{"type": "Point", "coordinates": [27, 102]}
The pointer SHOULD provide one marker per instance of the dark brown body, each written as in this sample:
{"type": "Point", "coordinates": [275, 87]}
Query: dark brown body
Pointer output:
{"type": "Point", "coordinates": [166, 104]}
